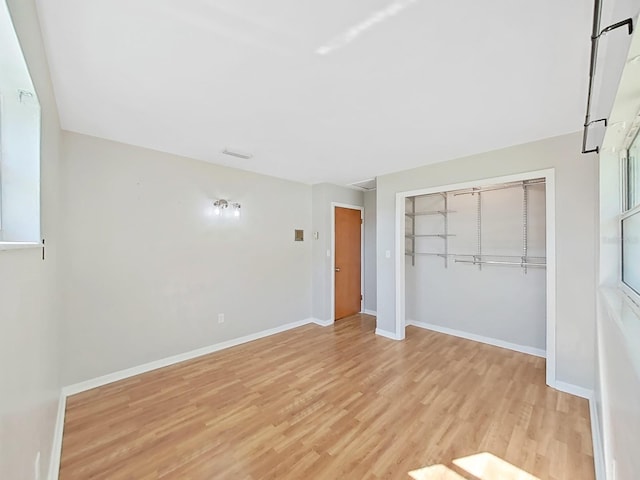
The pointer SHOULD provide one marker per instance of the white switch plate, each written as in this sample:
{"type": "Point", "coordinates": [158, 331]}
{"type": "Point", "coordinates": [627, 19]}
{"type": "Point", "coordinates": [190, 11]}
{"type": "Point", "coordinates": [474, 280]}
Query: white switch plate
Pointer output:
{"type": "Point", "coordinates": [387, 254]}
{"type": "Point", "coordinates": [221, 318]}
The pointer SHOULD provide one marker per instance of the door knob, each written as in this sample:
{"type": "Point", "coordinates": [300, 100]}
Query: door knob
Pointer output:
{"type": "Point", "coordinates": [337, 269]}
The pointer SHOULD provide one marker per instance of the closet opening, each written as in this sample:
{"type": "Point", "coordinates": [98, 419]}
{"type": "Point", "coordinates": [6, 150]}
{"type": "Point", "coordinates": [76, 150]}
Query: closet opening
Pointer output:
{"type": "Point", "coordinates": [477, 260]}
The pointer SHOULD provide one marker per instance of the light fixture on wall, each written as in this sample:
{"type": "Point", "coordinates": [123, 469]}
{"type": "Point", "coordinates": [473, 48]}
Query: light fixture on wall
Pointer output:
{"type": "Point", "coordinates": [236, 209]}
{"type": "Point", "coordinates": [219, 206]}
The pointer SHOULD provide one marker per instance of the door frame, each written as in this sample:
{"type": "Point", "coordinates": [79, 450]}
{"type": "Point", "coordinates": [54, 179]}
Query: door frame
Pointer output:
{"type": "Point", "coordinates": [550, 224]}
{"type": "Point", "coordinates": [335, 205]}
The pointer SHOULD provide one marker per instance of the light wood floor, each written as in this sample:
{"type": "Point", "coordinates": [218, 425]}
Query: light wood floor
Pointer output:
{"type": "Point", "coordinates": [329, 403]}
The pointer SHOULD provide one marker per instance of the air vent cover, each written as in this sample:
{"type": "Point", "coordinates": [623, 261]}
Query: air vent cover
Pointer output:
{"type": "Point", "coordinates": [366, 184]}
{"type": "Point", "coordinates": [237, 153]}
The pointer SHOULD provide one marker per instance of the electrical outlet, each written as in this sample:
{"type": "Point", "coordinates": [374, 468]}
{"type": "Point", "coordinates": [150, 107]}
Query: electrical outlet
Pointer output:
{"type": "Point", "coordinates": [221, 318]}
{"type": "Point", "coordinates": [36, 467]}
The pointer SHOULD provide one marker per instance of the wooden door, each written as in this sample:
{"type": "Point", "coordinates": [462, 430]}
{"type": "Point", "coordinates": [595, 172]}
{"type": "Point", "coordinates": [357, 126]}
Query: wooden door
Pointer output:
{"type": "Point", "coordinates": [348, 262]}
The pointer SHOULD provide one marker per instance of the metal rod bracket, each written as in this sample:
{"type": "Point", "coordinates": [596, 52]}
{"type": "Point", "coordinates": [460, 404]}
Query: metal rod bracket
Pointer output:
{"type": "Point", "coordinates": [628, 23]}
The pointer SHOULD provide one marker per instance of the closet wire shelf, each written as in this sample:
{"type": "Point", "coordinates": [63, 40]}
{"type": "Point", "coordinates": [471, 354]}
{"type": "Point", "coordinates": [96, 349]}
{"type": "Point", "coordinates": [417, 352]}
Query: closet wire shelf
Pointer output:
{"type": "Point", "coordinates": [524, 261]}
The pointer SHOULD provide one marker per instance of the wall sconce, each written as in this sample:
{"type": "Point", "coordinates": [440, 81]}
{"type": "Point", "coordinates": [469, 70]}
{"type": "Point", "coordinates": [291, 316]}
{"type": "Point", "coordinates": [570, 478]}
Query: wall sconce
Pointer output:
{"type": "Point", "coordinates": [221, 205]}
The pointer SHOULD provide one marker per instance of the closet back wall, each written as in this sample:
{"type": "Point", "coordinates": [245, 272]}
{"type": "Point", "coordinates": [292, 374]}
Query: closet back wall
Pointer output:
{"type": "Point", "coordinates": [150, 267]}
{"type": "Point", "coordinates": [498, 302]}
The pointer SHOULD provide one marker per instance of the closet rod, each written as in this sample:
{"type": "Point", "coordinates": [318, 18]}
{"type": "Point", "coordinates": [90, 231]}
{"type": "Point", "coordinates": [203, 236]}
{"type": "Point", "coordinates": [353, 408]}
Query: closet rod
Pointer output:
{"type": "Point", "coordinates": [538, 181]}
{"type": "Point", "coordinates": [477, 256]}
{"type": "Point", "coordinates": [432, 212]}
{"type": "Point", "coordinates": [494, 262]}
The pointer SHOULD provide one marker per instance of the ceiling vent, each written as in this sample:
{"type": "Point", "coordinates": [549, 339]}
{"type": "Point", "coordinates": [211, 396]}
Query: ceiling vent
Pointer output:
{"type": "Point", "coordinates": [366, 184]}
{"type": "Point", "coordinates": [237, 153]}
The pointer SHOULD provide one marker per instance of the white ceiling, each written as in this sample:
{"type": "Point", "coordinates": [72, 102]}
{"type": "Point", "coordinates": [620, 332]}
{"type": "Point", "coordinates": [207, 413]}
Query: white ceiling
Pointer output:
{"type": "Point", "coordinates": [318, 91]}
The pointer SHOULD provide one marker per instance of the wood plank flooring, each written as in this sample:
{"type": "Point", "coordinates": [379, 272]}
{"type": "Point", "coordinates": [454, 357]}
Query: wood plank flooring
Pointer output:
{"type": "Point", "coordinates": [333, 402]}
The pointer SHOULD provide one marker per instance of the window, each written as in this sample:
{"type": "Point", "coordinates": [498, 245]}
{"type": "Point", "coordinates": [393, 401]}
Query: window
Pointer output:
{"type": "Point", "coordinates": [19, 143]}
{"type": "Point", "coordinates": [630, 218]}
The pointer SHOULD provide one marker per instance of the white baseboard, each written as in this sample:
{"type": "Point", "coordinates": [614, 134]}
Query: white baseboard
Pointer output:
{"type": "Point", "coordinates": [370, 312]}
{"type": "Point", "coordinates": [596, 439]}
{"type": "Point", "coordinates": [322, 323]}
{"type": "Point", "coordinates": [387, 334]}
{"type": "Point", "coordinates": [56, 447]}
{"type": "Point", "coordinates": [147, 367]}
{"type": "Point", "coordinates": [479, 338]}
{"type": "Point", "coordinates": [573, 389]}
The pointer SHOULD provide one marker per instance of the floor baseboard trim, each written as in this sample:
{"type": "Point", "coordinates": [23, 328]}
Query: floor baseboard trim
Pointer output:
{"type": "Point", "coordinates": [370, 312]}
{"type": "Point", "coordinates": [56, 447]}
{"type": "Point", "coordinates": [165, 362]}
{"type": "Point", "coordinates": [596, 439]}
{"type": "Point", "coordinates": [573, 389]}
{"type": "Point", "coordinates": [479, 338]}
{"type": "Point", "coordinates": [322, 323]}
{"type": "Point", "coordinates": [387, 334]}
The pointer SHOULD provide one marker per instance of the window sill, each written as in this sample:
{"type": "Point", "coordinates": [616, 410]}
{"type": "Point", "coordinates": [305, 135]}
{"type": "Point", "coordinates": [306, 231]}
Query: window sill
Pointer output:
{"type": "Point", "coordinates": [18, 245]}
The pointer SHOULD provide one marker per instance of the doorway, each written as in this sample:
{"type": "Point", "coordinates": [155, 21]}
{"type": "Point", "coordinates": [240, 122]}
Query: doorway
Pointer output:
{"type": "Point", "coordinates": [347, 277]}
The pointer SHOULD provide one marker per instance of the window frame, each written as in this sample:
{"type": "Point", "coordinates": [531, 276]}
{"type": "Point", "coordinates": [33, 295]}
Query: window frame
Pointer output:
{"type": "Point", "coordinates": [627, 212]}
{"type": "Point", "coordinates": [20, 145]}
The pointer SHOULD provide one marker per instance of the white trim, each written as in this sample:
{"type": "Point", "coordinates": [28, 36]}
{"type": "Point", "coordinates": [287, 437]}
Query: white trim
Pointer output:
{"type": "Point", "coordinates": [596, 440]}
{"type": "Point", "coordinates": [550, 215]}
{"type": "Point", "coordinates": [322, 323]}
{"type": "Point", "coordinates": [332, 274]}
{"type": "Point", "coordinates": [19, 245]}
{"type": "Point", "coordinates": [56, 447]}
{"type": "Point", "coordinates": [370, 312]}
{"type": "Point", "coordinates": [550, 197]}
{"type": "Point", "coordinates": [400, 270]}
{"type": "Point", "coordinates": [147, 367]}
{"type": "Point", "coordinates": [387, 334]}
{"type": "Point", "coordinates": [538, 352]}
{"type": "Point", "coordinates": [573, 389]}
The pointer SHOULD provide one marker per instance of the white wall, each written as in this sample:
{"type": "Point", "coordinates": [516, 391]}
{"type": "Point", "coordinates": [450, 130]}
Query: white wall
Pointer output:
{"type": "Point", "coordinates": [29, 296]}
{"type": "Point", "coordinates": [370, 251]}
{"type": "Point", "coordinates": [323, 195]}
{"type": "Point", "coordinates": [148, 267]}
{"type": "Point", "coordinates": [576, 207]}
{"type": "Point", "coordinates": [499, 302]}
{"type": "Point", "coordinates": [617, 386]}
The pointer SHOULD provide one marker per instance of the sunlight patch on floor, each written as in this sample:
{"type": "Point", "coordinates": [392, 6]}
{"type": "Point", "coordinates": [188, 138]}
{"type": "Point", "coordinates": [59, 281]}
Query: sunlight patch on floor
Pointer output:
{"type": "Point", "coordinates": [435, 472]}
{"type": "Point", "coordinates": [486, 466]}
{"type": "Point", "coordinates": [481, 466]}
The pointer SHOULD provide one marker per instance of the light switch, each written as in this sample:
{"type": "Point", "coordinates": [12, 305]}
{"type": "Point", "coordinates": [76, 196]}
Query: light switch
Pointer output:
{"type": "Point", "coordinates": [387, 254]}
{"type": "Point", "coordinates": [316, 235]}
